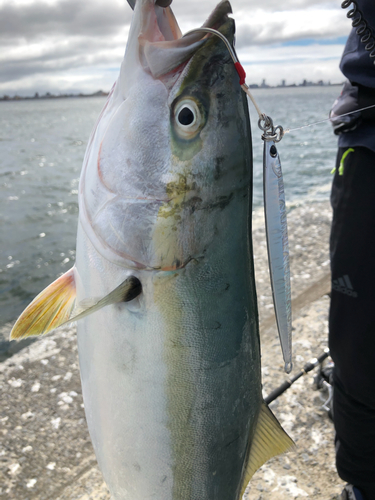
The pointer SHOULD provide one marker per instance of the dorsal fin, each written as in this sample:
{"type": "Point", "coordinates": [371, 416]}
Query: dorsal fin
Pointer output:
{"type": "Point", "coordinates": [269, 440]}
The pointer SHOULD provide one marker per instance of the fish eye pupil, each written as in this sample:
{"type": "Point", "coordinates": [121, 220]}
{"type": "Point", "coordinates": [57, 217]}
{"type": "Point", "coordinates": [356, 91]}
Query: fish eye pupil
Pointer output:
{"type": "Point", "coordinates": [186, 116]}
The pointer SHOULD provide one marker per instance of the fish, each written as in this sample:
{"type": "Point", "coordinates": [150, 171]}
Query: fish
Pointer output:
{"type": "Point", "coordinates": [163, 287]}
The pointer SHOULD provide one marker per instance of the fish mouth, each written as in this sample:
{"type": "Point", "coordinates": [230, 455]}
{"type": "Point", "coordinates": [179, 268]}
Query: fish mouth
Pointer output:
{"type": "Point", "coordinates": [162, 47]}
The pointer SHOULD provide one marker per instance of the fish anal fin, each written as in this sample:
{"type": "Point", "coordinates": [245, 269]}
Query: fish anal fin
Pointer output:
{"type": "Point", "coordinates": [51, 308]}
{"type": "Point", "coordinates": [269, 440]}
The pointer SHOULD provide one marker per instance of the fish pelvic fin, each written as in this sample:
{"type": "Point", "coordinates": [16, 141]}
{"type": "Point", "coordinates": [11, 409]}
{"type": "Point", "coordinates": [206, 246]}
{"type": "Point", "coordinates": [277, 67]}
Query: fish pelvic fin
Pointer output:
{"type": "Point", "coordinates": [125, 292]}
{"type": "Point", "coordinates": [50, 309]}
{"type": "Point", "coordinates": [269, 440]}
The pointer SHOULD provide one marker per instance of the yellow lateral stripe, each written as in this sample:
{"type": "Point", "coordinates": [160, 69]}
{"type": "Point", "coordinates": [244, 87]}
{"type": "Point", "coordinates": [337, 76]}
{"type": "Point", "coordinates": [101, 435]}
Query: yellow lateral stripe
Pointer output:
{"type": "Point", "coordinates": [48, 310]}
{"type": "Point", "coordinates": [269, 440]}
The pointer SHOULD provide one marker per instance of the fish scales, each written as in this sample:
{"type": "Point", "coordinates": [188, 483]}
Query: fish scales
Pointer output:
{"type": "Point", "coordinates": [171, 378]}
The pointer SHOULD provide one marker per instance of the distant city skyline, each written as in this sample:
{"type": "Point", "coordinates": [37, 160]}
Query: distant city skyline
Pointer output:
{"type": "Point", "coordinates": [76, 46]}
{"type": "Point", "coordinates": [101, 93]}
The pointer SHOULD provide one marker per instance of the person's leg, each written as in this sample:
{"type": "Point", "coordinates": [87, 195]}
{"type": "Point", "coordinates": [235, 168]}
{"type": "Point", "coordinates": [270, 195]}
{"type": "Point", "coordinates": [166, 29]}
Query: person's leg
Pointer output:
{"type": "Point", "coordinates": [355, 441]}
{"type": "Point", "coordinates": [352, 317]}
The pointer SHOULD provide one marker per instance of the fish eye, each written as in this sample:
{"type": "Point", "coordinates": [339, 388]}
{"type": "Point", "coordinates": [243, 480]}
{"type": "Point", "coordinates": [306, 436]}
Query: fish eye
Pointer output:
{"type": "Point", "coordinates": [187, 118]}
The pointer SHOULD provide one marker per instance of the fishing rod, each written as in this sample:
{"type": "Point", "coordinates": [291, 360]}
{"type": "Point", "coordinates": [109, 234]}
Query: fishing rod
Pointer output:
{"type": "Point", "coordinates": [314, 362]}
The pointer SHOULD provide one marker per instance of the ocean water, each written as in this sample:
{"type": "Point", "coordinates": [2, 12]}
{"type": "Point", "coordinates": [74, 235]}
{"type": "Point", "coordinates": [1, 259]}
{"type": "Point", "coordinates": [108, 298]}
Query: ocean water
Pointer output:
{"type": "Point", "coordinates": [42, 144]}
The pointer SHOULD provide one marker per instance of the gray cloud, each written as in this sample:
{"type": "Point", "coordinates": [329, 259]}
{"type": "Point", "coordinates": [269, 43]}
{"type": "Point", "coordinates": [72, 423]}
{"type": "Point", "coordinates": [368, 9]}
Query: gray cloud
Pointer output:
{"type": "Point", "coordinates": [16, 70]}
{"type": "Point", "coordinates": [93, 17]}
{"type": "Point", "coordinates": [68, 17]}
{"type": "Point", "coordinates": [62, 55]}
{"type": "Point", "coordinates": [198, 10]}
{"type": "Point", "coordinates": [273, 33]}
{"type": "Point", "coordinates": [75, 35]}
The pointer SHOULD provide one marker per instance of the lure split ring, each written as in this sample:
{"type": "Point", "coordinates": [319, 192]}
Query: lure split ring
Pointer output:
{"type": "Point", "coordinates": [271, 133]}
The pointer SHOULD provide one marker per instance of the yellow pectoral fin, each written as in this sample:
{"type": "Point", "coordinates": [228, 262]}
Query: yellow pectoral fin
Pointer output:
{"type": "Point", "coordinates": [51, 308]}
{"type": "Point", "coordinates": [54, 306]}
{"type": "Point", "coordinates": [269, 440]}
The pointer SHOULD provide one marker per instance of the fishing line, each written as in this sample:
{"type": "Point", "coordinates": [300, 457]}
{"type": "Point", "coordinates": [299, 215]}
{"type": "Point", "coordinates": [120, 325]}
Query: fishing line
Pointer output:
{"type": "Point", "coordinates": [287, 130]}
{"type": "Point", "coordinates": [239, 68]}
{"type": "Point", "coordinates": [307, 368]}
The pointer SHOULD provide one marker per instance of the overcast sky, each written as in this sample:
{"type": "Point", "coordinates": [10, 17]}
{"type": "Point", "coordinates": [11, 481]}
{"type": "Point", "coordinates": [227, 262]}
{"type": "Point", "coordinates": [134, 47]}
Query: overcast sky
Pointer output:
{"type": "Point", "coordinates": [77, 45]}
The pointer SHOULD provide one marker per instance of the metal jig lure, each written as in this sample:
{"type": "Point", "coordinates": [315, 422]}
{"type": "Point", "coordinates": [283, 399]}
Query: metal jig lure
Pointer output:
{"type": "Point", "coordinates": [277, 235]}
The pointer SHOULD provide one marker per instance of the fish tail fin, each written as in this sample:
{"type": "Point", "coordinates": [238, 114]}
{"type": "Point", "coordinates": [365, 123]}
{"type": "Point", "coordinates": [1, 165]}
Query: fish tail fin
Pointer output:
{"type": "Point", "coordinates": [51, 308]}
{"type": "Point", "coordinates": [269, 440]}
